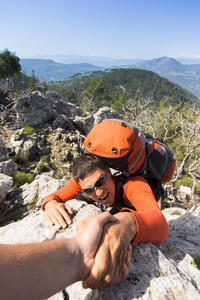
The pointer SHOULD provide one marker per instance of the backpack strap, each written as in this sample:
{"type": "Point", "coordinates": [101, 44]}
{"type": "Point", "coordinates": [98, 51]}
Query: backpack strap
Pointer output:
{"type": "Point", "coordinates": [155, 173]}
{"type": "Point", "coordinates": [119, 192]}
{"type": "Point", "coordinates": [156, 187]}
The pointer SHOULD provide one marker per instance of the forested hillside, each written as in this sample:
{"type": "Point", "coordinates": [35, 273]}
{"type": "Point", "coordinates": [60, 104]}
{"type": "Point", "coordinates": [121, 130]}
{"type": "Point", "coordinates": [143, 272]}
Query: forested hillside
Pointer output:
{"type": "Point", "coordinates": [187, 76]}
{"type": "Point", "coordinates": [118, 83]}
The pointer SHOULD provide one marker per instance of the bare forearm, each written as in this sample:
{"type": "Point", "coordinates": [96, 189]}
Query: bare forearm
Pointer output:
{"type": "Point", "coordinates": [37, 271]}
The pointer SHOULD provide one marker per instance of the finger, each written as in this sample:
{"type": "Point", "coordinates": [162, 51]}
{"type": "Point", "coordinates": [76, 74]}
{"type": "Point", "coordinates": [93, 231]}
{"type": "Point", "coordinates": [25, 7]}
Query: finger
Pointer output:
{"type": "Point", "coordinates": [48, 219]}
{"type": "Point", "coordinates": [106, 217]}
{"type": "Point", "coordinates": [128, 256]}
{"type": "Point", "coordinates": [63, 218]}
{"type": "Point", "coordinates": [69, 208]}
{"type": "Point", "coordinates": [97, 223]}
{"type": "Point", "coordinates": [103, 218]}
{"type": "Point", "coordinates": [57, 218]}
{"type": "Point", "coordinates": [82, 224]}
{"type": "Point", "coordinates": [107, 269]}
{"type": "Point", "coordinates": [93, 281]}
{"type": "Point", "coordinates": [125, 272]}
{"type": "Point", "coordinates": [115, 266]}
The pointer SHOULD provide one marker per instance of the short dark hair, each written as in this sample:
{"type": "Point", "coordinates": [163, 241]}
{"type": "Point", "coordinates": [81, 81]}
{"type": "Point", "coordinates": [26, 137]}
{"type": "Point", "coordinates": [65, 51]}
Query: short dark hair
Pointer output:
{"type": "Point", "coordinates": [85, 164]}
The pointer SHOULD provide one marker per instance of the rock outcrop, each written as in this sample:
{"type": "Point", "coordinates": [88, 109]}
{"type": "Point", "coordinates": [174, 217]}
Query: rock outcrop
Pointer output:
{"type": "Point", "coordinates": [28, 146]}
{"type": "Point", "coordinates": [85, 123]}
{"type": "Point", "coordinates": [7, 169]}
{"type": "Point", "coordinates": [5, 185]}
{"type": "Point", "coordinates": [3, 149]}
{"type": "Point", "coordinates": [39, 110]}
{"type": "Point", "coordinates": [163, 272]}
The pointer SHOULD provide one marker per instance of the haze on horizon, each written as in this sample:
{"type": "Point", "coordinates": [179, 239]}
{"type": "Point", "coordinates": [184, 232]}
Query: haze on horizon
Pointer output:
{"type": "Point", "coordinates": [129, 29]}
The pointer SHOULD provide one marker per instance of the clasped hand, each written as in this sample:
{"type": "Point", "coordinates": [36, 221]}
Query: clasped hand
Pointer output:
{"type": "Point", "coordinates": [112, 258]}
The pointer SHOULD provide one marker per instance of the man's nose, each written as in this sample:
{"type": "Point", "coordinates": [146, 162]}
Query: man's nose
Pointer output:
{"type": "Point", "coordinates": [98, 191]}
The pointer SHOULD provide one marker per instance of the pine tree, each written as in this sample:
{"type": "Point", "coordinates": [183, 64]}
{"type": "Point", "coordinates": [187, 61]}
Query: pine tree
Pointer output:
{"type": "Point", "coordinates": [9, 65]}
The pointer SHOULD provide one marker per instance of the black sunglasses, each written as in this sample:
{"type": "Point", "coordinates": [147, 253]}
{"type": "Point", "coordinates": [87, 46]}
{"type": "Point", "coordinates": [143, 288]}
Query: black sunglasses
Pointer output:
{"type": "Point", "coordinates": [100, 181]}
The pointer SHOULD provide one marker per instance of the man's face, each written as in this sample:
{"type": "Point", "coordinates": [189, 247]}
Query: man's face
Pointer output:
{"type": "Point", "coordinates": [104, 194]}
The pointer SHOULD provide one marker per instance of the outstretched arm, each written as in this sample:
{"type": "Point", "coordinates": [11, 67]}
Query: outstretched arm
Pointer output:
{"type": "Point", "coordinates": [39, 270]}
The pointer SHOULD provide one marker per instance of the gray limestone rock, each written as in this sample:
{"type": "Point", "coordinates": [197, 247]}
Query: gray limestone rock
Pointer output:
{"type": "Point", "coordinates": [5, 185]}
{"type": "Point", "coordinates": [184, 234]}
{"type": "Point", "coordinates": [28, 146]}
{"type": "Point", "coordinates": [3, 149]}
{"type": "Point", "coordinates": [42, 186]}
{"type": "Point", "coordinates": [86, 123]}
{"type": "Point", "coordinates": [156, 272]}
{"type": "Point", "coordinates": [37, 109]}
{"type": "Point", "coordinates": [8, 167]}
{"type": "Point", "coordinates": [105, 113]}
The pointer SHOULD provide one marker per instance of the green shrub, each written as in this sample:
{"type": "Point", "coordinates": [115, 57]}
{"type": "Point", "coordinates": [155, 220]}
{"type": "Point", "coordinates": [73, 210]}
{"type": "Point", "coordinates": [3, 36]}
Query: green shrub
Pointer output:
{"type": "Point", "coordinates": [196, 262]}
{"type": "Point", "coordinates": [7, 118]}
{"type": "Point", "coordinates": [21, 178]}
{"type": "Point", "coordinates": [28, 130]}
{"type": "Point", "coordinates": [186, 181]}
{"type": "Point", "coordinates": [197, 189]}
{"type": "Point", "coordinates": [41, 167]}
{"type": "Point", "coordinates": [32, 205]}
{"type": "Point", "coordinates": [21, 158]}
{"type": "Point", "coordinates": [8, 214]}
{"type": "Point", "coordinates": [176, 213]}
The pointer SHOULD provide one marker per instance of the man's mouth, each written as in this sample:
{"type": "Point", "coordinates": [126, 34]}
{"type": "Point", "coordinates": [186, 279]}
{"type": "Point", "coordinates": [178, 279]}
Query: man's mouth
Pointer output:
{"type": "Point", "coordinates": [104, 198]}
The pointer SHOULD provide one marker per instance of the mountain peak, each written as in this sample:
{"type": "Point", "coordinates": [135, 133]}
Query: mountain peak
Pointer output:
{"type": "Point", "coordinates": [158, 64]}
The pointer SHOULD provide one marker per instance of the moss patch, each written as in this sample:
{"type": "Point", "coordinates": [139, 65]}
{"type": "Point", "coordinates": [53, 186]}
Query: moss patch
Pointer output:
{"type": "Point", "coordinates": [196, 262]}
{"type": "Point", "coordinates": [176, 213]}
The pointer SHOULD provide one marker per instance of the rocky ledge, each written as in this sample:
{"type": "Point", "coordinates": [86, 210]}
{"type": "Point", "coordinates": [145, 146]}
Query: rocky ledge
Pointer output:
{"type": "Point", "coordinates": [160, 272]}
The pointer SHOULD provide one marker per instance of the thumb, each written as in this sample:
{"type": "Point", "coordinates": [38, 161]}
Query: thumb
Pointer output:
{"type": "Point", "coordinates": [81, 224]}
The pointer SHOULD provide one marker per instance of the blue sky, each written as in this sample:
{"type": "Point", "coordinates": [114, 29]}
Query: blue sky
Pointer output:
{"type": "Point", "coordinates": [142, 29]}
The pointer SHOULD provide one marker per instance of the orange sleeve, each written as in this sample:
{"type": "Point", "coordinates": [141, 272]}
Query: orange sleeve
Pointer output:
{"type": "Point", "coordinates": [65, 193]}
{"type": "Point", "coordinates": [151, 224]}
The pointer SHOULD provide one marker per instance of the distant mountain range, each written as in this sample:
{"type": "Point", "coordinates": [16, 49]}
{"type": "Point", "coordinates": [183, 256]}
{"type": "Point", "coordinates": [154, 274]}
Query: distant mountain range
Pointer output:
{"type": "Point", "coordinates": [108, 62]}
{"type": "Point", "coordinates": [105, 62]}
{"type": "Point", "coordinates": [49, 70]}
{"type": "Point", "coordinates": [188, 60]}
{"type": "Point", "coordinates": [187, 76]}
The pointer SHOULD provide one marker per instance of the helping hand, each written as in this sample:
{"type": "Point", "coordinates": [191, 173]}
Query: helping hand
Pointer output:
{"type": "Point", "coordinates": [89, 234]}
{"type": "Point", "coordinates": [114, 253]}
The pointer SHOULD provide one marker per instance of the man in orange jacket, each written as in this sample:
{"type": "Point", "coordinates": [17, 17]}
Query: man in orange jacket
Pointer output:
{"type": "Point", "coordinates": [139, 217]}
